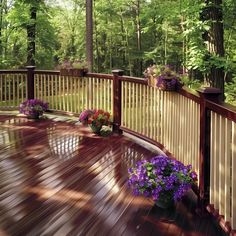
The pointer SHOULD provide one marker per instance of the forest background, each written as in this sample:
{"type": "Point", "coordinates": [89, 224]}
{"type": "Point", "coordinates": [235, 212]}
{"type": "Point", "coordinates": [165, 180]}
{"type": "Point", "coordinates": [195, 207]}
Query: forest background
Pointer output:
{"type": "Point", "coordinates": [127, 34]}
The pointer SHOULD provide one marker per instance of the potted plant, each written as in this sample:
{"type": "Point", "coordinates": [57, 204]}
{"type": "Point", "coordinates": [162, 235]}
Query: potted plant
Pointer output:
{"type": "Point", "coordinates": [65, 68]}
{"type": "Point", "coordinates": [98, 120]}
{"type": "Point", "coordinates": [163, 77]}
{"type": "Point", "coordinates": [77, 68]}
{"type": "Point", "coordinates": [162, 178]}
{"type": "Point", "coordinates": [33, 108]}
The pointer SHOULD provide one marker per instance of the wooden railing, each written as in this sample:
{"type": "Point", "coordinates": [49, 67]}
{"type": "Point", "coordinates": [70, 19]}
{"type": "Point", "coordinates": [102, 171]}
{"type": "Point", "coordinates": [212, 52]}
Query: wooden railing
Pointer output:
{"type": "Point", "coordinates": [158, 115]}
{"type": "Point", "coordinates": [13, 88]}
{"type": "Point", "coordinates": [191, 126]}
{"type": "Point", "coordinates": [74, 94]}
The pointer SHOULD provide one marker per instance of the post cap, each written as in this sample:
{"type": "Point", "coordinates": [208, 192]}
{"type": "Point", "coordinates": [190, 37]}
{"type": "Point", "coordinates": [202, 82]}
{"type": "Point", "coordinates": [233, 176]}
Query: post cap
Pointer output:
{"type": "Point", "coordinates": [30, 67]}
{"type": "Point", "coordinates": [118, 72]}
{"type": "Point", "coordinates": [210, 93]}
{"type": "Point", "coordinates": [209, 90]}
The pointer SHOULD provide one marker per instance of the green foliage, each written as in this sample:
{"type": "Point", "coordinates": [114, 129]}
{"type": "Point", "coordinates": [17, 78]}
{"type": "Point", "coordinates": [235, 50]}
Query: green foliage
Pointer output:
{"type": "Point", "coordinates": [128, 34]}
{"type": "Point", "coordinates": [230, 91]}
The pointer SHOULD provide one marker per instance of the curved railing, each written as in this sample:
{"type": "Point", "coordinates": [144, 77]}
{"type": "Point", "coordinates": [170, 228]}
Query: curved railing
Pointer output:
{"type": "Point", "coordinates": [191, 126]}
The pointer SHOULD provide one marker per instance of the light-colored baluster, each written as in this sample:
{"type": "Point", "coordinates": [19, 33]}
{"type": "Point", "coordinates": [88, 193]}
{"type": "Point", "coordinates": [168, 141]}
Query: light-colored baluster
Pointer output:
{"type": "Point", "coordinates": [79, 103]}
{"type": "Point", "coordinates": [227, 183]}
{"type": "Point", "coordinates": [216, 143]}
{"type": "Point", "coordinates": [44, 88]}
{"type": "Point", "coordinates": [104, 94]}
{"type": "Point", "coordinates": [212, 160]}
{"type": "Point", "coordinates": [60, 98]}
{"type": "Point", "coordinates": [132, 107]}
{"type": "Point", "coordinates": [136, 107]}
{"type": "Point", "coordinates": [71, 94]}
{"type": "Point", "coordinates": [52, 92]}
{"type": "Point", "coordinates": [63, 91]}
{"type": "Point", "coordinates": [48, 90]}
{"type": "Point", "coordinates": [14, 101]}
{"type": "Point", "coordinates": [9, 90]}
{"type": "Point", "coordinates": [145, 105]}
{"type": "Point", "coordinates": [111, 96]}
{"type": "Point", "coordinates": [129, 107]}
{"type": "Point", "coordinates": [68, 93]}
{"type": "Point", "coordinates": [233, 175]}
{"type": "Point", "coordinates": [139, 107]}
{"type": "Point", "coordinates": [24, 91]}
{"type": "Point", "coordinates": [18, 79]}
{"type": "Point", "coordinates": [1, 87]}
{"type": "Point", "coordinates": [221, 164]}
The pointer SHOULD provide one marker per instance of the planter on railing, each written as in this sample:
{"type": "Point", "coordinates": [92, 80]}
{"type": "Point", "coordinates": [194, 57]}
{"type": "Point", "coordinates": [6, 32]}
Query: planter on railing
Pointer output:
{"type": "Point", "coordinates": [163, 77]}
{"type": "Point", "coordinates": [73, 72]}
{"type": "Point", "coordinates": [164, 84]}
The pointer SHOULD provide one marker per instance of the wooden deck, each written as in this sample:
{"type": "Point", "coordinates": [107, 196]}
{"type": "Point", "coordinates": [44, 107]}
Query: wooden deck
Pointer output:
{"type": "Point", "coordinates": [56, 178]}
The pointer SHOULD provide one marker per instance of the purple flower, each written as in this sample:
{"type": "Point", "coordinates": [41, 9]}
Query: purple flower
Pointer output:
{"type": "Point", "coordinates": [161, 176]}
{"type": "Point", "coordinates": [84, 115]}
{"type": "Point", "coordinates": [33, 107]}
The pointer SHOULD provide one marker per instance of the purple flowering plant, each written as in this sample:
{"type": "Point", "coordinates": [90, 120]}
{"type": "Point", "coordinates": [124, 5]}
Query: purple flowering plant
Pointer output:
{"type": "Point", "coordinates": [33, 107]}
{"type": "Point", "coordinates": [161, 177]}
{"type": "Point", "coordinates": [84, 115]}
{"type": "Point", "coordinates": [165, 76]}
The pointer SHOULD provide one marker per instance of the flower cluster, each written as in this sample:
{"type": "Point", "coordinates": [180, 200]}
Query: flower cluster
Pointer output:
{"type": "Point", "coordinates": [84, 115]}
{"type": "Point", "coordinates": [165, 76]}
{"type": "Point", "coordinates": [76, 64]}
{"type": "Point", "coordinates": [33, 107]}
{"type": "Point", "coordinates": [99, 118]}
{"type": "Point", "coordinates": [160, 177]}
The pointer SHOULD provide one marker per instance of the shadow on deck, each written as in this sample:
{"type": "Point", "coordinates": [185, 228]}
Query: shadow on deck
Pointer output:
{"type": "Point", "coordinates": [59, 179]}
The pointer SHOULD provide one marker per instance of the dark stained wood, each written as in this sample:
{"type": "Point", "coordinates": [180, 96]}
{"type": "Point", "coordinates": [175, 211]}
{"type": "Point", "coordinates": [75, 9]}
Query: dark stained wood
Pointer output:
{"type": "Point", "coordinates": [117, 100]}
{"type": "Point", "coordinates": [47, 72]}
{"type": "Point", "coordinates": [30, 78]}
{"type": "Point", "coordinates": [205, 124]}
{"type": "Point", "coordinates": [21, 71]}
{"type": "Point", "coordinates": [57, 178]}
{"type": "Point", "coordinates": [223, 109]}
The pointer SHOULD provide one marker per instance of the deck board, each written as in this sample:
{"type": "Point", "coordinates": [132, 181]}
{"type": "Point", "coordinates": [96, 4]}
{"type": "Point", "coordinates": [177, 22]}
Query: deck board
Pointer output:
{"type": "Point", "coordinates": [57, 178]}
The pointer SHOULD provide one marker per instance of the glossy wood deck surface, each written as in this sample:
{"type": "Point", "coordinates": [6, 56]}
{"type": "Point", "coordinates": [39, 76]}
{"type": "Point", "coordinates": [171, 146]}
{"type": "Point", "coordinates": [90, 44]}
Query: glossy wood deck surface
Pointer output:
{"type": "Point", "coordinates": [56, 178]}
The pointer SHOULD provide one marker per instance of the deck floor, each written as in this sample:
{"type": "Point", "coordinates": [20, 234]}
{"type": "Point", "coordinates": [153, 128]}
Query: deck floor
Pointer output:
{"type": "Point", "coordinates": [56, 178]}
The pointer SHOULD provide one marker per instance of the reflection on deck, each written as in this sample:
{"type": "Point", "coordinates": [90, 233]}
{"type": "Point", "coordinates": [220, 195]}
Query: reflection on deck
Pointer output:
{"type": "Point", "coordinates": [59, 179]}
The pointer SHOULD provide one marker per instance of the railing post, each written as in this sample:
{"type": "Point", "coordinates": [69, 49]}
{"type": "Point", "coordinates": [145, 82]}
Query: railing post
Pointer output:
{"type": "Point", "coordinates": [205, 132]}
{"type": "Point", "coordinates": [117, 100]}
{"type": "Point", "coordinates": [30, 81]}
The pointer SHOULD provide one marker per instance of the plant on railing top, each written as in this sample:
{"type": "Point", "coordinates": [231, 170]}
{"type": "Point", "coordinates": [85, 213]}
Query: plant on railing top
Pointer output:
{"type": "Point", "coordinates": [163, 77]}
{"type": "Point", "coordinates": [98, 120]}
{"type": "Point", "coordinates": [75, 67]}
{"type": "Point", "coordinates": [33, 108]}
{"type": "Point", "coordinates": [164, 179]}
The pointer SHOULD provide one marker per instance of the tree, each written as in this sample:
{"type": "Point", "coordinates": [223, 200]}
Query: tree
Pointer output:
{"type": "Point", "coordinates": [89, 33]}
{"type": "Point", "coordinates": [214, 37]}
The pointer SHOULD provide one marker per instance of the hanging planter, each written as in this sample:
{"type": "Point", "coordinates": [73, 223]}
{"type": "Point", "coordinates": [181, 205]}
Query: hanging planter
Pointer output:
{"type": "Point", "coordinates": [76, 68]}
{"type": "Point", "coordinates": [78, 72]}
{"type": "Point", "coordinates": [163, 77]}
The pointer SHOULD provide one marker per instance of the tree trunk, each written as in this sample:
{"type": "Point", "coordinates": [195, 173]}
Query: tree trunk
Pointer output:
{"type": "Point", "coordinates": [139, 42]}
{"type": "Point", "coordinates": [1, 18]}
{"type": "Point", "coordinates": [89, 33]}
{"type": "Point", "coordinates": [215, 41]}
{"type": "Point", "coordinates": [31, 33]}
